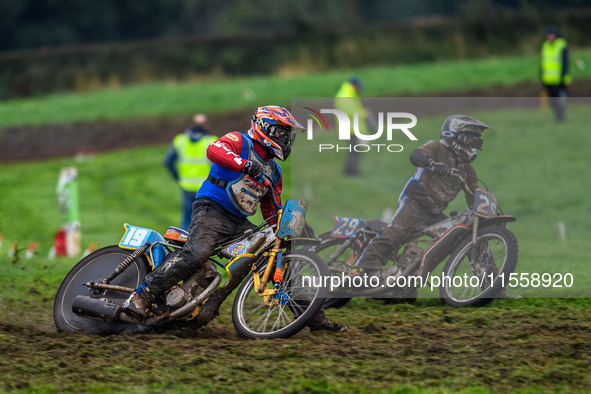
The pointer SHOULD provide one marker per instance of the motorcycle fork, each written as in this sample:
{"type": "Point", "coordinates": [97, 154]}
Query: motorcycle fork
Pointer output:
{"type": "Point", "coordinates": [473, 251]}
{"type": "Point", "coordinates": [260, 284]}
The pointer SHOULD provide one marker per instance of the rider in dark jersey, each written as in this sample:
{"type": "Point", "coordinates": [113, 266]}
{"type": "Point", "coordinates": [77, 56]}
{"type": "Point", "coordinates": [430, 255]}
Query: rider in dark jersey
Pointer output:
{"type": "Point", "coordinates": [430, 189]}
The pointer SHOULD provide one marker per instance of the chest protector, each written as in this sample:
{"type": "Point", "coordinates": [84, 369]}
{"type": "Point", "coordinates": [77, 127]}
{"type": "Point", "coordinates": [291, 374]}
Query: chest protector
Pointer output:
{"type": "Point", "coordinates": [238, 192]}
{"type": "Point", "coordinates": [245, 193]}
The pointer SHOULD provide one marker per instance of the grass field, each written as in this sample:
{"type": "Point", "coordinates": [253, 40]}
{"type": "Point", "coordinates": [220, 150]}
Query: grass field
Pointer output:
{"type": "Point", "coordinates": [538, 171]}
{"type": "Point", "coordinates": [169, 98]}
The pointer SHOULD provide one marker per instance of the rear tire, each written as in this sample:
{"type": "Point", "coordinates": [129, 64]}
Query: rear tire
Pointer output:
{"type": "Point", "coordinates": [96, 267]}
{"type": "Point", "coordinates": [497, 254]}
{"type": "Point", "coordinates": [289, 312]}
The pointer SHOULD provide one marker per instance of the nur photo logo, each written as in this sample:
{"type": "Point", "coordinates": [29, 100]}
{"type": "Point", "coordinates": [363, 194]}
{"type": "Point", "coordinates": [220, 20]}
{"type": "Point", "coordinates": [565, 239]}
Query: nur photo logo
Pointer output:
{"type": "Point", "coordinates": [390, 125]}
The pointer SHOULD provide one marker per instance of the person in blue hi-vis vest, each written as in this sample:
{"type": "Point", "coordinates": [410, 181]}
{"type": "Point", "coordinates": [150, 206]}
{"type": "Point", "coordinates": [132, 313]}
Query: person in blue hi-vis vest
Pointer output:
{"type": "Point", "coordinates": [187, 162]}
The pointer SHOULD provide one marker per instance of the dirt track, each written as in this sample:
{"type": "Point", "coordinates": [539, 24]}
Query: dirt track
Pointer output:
{"type": "Point", "coordinates": [58, 140]}
{"type": "Point", "coordinates": [513, 344]}
{"type": "Point", "coordinates": [505, 347]}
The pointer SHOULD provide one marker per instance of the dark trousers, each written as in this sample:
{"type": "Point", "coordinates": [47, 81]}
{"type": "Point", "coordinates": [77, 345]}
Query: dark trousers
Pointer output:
{"type": "Point", "coordinates": [352, 161]}
{"type": "Point", "coordinates": [211, 225]}
{"type": "Point", "coordinates": [408, 217]}
{"type": "Point", "coordinates": [557, 97]}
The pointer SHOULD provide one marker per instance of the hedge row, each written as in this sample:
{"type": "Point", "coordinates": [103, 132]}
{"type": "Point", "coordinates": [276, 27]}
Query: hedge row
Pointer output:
{"type": "Point", "coordinates": [477, 34]}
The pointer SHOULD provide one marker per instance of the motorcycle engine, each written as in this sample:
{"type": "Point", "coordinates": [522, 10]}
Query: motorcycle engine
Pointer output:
{"type": "Point", "coordinates": [191, 287]}
{"type": "Point", "coordinates": [411, 254]}
{"type": "Point", "coordinates": [177, 297]}
{"type": "Point", "coordinates": [408, 259]}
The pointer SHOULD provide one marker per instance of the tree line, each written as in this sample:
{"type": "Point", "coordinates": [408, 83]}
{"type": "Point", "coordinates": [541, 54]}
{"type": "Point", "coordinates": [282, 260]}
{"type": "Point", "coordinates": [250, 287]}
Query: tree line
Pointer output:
{"type": "Point", "coordinates": [273, 40]}
{"type": "Point", "coordinates": [40, 23]}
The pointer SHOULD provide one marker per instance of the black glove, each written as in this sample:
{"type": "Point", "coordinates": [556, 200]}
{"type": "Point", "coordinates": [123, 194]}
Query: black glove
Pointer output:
{"type": "Point", "coordinates": [253, 169]}
{"type": "Point", "coordinates": [438, 168]}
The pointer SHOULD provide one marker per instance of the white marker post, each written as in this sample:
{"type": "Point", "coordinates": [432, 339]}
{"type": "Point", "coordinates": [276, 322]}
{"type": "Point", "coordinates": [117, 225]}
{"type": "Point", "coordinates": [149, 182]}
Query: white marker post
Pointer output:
{"type": "Point", "coordinates": [67, 195]}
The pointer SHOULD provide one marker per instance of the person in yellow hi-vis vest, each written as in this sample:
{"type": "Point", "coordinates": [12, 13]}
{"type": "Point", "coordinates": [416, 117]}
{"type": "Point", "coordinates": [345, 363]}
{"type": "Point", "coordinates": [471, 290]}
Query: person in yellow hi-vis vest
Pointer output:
{"type": "Point", "coordinates": [554, 71]}
{"type": "Point", "coordinates": [347, 100]}
{"type": "Point", "coordinates": [187, 162]}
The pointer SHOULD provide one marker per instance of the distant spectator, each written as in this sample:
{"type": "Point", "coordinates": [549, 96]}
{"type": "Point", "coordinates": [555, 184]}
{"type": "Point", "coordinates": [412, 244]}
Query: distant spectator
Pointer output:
{"type": "Point", "coordinates": [554, 71]}
{"type": "Point", "coordinates": [187, 162]}
{"type": "Point", "coordinates": [347, 100]}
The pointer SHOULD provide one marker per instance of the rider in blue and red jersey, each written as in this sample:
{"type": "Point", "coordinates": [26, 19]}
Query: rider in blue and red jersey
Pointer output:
{"type": "Point", "coordinates": [226, 199]}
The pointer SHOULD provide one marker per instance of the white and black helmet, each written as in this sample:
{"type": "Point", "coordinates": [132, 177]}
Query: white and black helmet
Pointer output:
{"type": "Point", "coordinates": [461, 134]}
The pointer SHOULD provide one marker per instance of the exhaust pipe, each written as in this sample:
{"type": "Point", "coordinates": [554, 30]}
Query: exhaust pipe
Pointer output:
{"type": "Point", "coordinates": [106, 311]}
{"type": "Point", "coordinates": [95, 308]}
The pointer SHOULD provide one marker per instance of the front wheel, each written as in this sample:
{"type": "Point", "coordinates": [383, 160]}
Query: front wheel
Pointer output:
{"type": "Point", "coordinates": [96, 267]}
{"type": "Point", "coordinates": [299, 299]}
{"type": "Point", "coordinates": [477, 282]}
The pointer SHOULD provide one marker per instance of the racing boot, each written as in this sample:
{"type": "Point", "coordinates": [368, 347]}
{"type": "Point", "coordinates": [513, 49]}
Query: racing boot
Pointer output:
{"type": "Point", "coordinates": [138, 304]}
{"type": "Point", "coordinates": [321, 322]}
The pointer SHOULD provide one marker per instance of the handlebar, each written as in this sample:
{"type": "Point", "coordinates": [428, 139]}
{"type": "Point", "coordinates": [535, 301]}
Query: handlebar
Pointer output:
{"type": "Point", "coordinates": [458, 174]}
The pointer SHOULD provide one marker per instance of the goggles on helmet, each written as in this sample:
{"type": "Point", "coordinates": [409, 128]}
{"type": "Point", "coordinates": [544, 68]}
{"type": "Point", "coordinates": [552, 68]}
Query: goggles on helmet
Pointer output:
{"type": "Point", "coordinates": [469, 140]}
{"type": "Point", "coordinates": [282, 134]}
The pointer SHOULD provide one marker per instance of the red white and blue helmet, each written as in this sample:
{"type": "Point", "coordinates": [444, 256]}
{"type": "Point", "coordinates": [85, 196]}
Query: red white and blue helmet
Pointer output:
{"type": "Point", "coordinates": [272, 127]}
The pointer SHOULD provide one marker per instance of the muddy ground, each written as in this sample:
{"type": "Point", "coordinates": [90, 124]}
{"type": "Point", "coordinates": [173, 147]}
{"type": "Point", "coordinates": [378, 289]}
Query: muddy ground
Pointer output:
{"type": "Point", "coordinates": [59, 140]}
{"type": "Point", "coordinates": [531, 345]}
